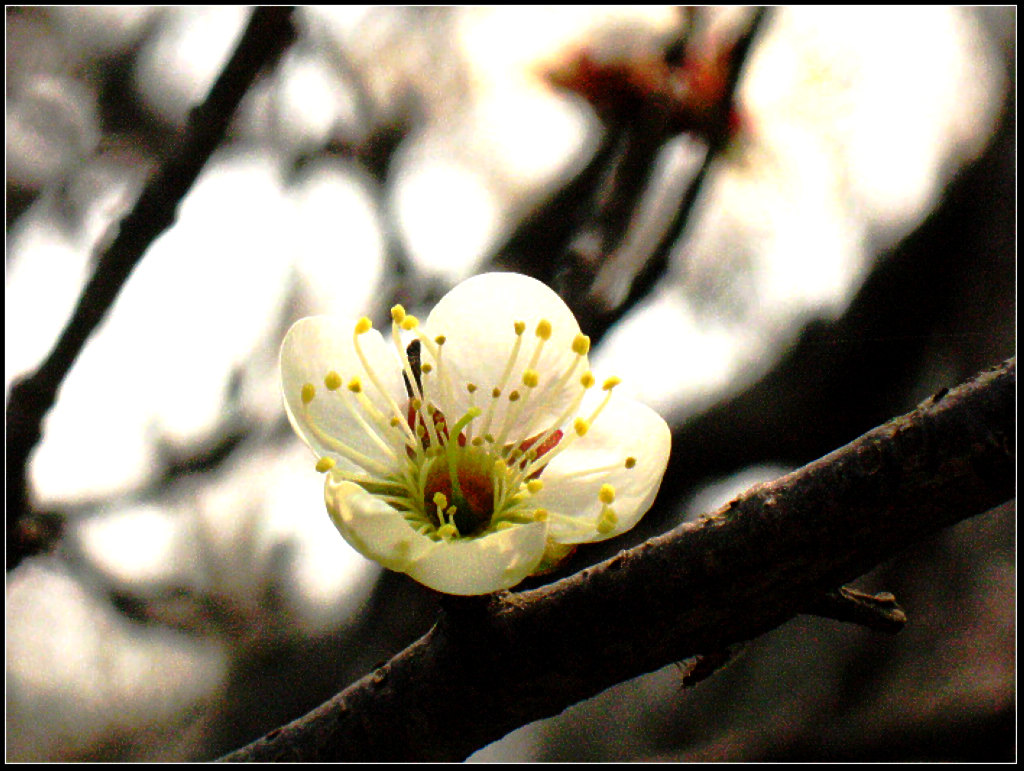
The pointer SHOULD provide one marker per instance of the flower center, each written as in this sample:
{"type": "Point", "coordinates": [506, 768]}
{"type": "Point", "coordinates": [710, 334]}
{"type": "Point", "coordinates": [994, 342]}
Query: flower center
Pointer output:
{"type": "Point", "coordinates": [464, 496]}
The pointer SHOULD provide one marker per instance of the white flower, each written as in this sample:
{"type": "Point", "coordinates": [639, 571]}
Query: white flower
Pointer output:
{"type": "Point", "coordinates": [482, 452]}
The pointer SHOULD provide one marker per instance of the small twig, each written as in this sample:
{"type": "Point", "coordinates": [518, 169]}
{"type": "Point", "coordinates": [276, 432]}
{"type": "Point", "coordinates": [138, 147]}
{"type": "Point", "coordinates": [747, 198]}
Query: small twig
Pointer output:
{"type": "Point", "coordinates": [875, 611]}
{"type": "Point", "coordinates": [267, 34]}
{"type": "Point", "coordinates": [698, 669]}
{"type": "Point", "coordinates": [753, 565]}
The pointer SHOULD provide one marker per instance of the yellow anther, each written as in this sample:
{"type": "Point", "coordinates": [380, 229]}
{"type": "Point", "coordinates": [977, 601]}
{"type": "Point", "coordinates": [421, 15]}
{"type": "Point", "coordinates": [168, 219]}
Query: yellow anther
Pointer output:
{"type": "Point", "coordinates": [355, 385]}
{"type": "Point", "coordinates": [416, 404]}
{"type": "Point", "coordinates": [606, 494]}
{"type": "Point", "coordinates": [544, 329]}
{"type": "Point", "coordinates": [307, 393]}
{"type": "Point", "coordinates": [397, 314]}
{"type": "Point", "coordinates": [332, 381]}
{"type": "Point", "coordinates": [610, 383]}
{"type": "Point", "coordinates": [580, 426]}
{"type": "Point", "coordinates": [587, 379]}
{"type": "Point", "coordinates": [477, 441]}
{"type": "Point", "coordinates": [540, 515]}
{"type": "Point", "coordinates": [514, 396]}
{"type": "Point", "coordinates": [471, 387]}
{"type": "Point", "coordinates": [440, 339]}
{"type": "Point", "coordinates": [530, 378]}
{"type": "Point", "coordinates": [395, 421]}
{"type": "Point", "coordinates": [441, 501]}
{"type": "Point", "coordinates": [363, 325]}
{"type": "Point", "coordinates": [520, 327]}
{"type": "Point", "coordinates": [489, 438]}
{"type": "Point", "coordinates": [534, 486]}
{"type": "Point", "coordinates": [410, 322]}
{"type": "Point", "coordinates": [581, 345]}
{"type": "Point", "coordinates": [500, 466]}
{"type": "Point", "coordinates": [325, 464]}
{"type": "Point", "coordinates": [495, 392]}
{"type": "Point", "coordinates": [630, 462]}
{"type": "Point", "coordinates": [448, 531]}
{"type": "Point", "coordinates": [607, 520]}
{"type": "Point", "coordinates": [426, 367]}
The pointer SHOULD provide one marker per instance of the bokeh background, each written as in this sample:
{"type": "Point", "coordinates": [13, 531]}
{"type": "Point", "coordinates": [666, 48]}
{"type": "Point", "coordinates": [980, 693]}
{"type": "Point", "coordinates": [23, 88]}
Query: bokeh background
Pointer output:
{"type": "Point", "coordinates": [842, 251]}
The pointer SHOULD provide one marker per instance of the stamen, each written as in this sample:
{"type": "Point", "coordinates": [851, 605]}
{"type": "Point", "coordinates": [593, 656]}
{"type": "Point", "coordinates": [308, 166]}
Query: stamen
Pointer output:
{"type": "Point", "coordinates": [414, 384]}
{"type": "Point", "coordinates": [344, 450]}
{"type": "Point", "coordinates": [543, 335]}
{"type": "Point", "coordinates": [307, 393]}
{"type": "Point", "coordinates": [355, 386]}
{"type": "Point", "coordinates": [332, 381]}
{"type": "Point", "coordinates": [630, 462]}
{"type": "Point", "coordinates": [606, 494]}
{"type": "Point", "coordinates": [580, 425]}
{"type": "Point", "coordinates": [325, 464]}
{"type": "Point", "coordinates": [519, 327]}
{"type": "Point", "coordinates": [444, 387]}
{"type": "Point", "coordinates": [441, 502]}
{"type": "Point", "coordinates": [586, 380]}
{"type": "Point", "coordinates": [606, 520]}
{"type": "Point", "coordinates": [362, 326]}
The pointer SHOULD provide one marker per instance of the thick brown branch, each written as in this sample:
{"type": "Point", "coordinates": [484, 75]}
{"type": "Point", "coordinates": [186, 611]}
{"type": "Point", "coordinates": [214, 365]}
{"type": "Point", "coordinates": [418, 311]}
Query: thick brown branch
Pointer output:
{"type": "Point", "coordinates": [495, 663]}
{"type": "Point", "coordinates": [266, 35]}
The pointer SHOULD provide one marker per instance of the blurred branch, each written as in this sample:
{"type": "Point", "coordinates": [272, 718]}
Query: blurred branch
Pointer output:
{"type": "Point", "coordinates": [492, 664]}
{"type": "Point", "coordinates": [267, 34]}
{"type": "Point", "coordinates": [718, 134]}
{"type": "Point", "coordinates": [645, 127]}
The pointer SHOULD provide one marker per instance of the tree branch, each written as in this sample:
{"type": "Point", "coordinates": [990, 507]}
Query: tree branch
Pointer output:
{"type": "Point", "coordinates": [268, 32]}
{"type": "Point", "coordinates": [492, 664]}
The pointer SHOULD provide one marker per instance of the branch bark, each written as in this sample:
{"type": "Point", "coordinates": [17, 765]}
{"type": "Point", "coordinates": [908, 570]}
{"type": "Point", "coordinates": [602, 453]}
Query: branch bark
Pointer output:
{"type": "Point", "coordinates": [492, 664]}
{"type": "Point", "coordinates": [268, 32]}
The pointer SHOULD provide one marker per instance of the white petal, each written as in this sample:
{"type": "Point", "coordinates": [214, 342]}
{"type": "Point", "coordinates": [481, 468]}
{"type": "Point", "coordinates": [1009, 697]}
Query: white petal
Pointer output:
{"type": "Point", "coordinates": [625, 428]}
{"type": "Point", "coordinates": [477, 319]}
{"type": "Point", "coordinates": [372, 527]}
{"type": "Point", "coordinates": [317, 345]}
{"type": "Point", "coordinates": [483, 565]}
{"type": "Point", "coordinates": [462, 566]}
